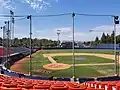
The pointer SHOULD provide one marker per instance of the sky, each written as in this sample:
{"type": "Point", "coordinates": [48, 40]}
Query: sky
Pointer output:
{"type": "Point", "coordinates": [46, 27]}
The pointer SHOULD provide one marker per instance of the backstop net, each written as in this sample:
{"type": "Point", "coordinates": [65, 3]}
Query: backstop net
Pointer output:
{"type": "Point", "coordinates": [80, 45]}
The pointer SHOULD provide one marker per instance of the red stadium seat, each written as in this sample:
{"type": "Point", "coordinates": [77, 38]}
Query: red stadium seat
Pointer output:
{"type": "Point", "coordinates": [10, 85]}
{"type": "Point", "coordinates": [15, 83]}
{"type": "Point", "coordinates": [58, 88]}
{"type": "Point", "coordinates": [41, 87]}
{"type": "Point", "coordinates": [25, 86]}
{"type": "Point", "coordinates": [4, 88]}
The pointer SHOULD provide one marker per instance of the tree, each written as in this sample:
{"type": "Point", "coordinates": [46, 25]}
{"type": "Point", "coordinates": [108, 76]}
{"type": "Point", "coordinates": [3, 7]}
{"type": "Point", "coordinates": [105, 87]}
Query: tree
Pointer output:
{"type": "Point", "coordinates": [118, 39]}
{"type": "Point", "coordinates": [96, 41]}
{"type": "Point", "coordinates": [108, 39]}
{"type": "Point", "coordinates": [103, 38]}
{"type": "Point", "coordinates": [112, 37]}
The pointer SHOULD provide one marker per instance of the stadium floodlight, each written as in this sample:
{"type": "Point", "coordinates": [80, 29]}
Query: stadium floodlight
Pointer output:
{"type": "Point", "coordinates": [73, 55]}
{"type": "Point", "coordinates": [116, 21]}
{"type": "Point", "coordinates": [30, 63]}
{"type": "Point", "coordinates": [58, 33]}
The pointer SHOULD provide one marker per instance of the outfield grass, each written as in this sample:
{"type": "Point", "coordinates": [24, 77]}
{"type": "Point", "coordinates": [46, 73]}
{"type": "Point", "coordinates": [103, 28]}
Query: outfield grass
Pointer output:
{"type": "Point", "coordinates": [37, 62]}
{"type": "Point", "coordinates": [80, 71]}
{"type": "Point", "coordinates": [88, 59]}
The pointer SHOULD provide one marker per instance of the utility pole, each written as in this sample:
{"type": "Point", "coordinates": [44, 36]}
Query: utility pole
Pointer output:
{"type": "Point", "coordinates": [30, 63]}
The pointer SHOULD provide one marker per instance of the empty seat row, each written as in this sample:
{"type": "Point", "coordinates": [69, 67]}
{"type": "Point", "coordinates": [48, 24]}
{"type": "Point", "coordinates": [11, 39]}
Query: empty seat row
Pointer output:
{"type": "Point", "coordinates": [105, 85]}
{"type": "Point", "coordinates": [15, 83]}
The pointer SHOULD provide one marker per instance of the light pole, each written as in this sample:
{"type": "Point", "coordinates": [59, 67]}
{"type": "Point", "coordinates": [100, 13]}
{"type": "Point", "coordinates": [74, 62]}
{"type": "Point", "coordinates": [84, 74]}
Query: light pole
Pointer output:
{"type": "Point", "coordinates": [58, 34]}
{"type": "Point", "coordinates": [116, 21]}
{"type": "Point", "coordinates": [73, 56]}
{"type": "Point", "coordinates": [30, 62]}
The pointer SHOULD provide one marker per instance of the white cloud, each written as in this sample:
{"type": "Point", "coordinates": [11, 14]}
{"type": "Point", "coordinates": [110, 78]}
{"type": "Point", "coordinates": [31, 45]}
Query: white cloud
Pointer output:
{"type": "Point", "coordinates": [6, 4]}
{"type": "Point", "coordinates": [35, 4]}
{"type": "Point", "coordinates": [38, 4]}
{"type": "Point", "coordinates": [66, 33]}
{"type": "Point", "coordinates": [66, 30]}
{"type": "Point", "coordinates": [106, 29]}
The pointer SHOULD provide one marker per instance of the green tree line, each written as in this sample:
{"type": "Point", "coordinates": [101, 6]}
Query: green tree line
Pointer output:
{"type": "Point", "coordinates": [36, 43]}
{"type": "Point", "coordinates": [107, 39]}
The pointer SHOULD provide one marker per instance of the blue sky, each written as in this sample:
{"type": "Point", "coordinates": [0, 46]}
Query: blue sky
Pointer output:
{"type": "Point", "coordinates": [46, 27]}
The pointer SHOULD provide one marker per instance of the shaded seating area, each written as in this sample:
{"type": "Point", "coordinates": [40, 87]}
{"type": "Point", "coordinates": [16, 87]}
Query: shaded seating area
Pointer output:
{"type": "Point", "coordinates": [3, 50]}
{"type": "Point", "coordinates": [25, 51]}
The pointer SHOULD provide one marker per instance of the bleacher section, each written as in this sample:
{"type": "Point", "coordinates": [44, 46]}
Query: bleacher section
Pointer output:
{"type": "Point", "coordinates": [16, 53]}
{"type": "Point", "coordinates": [25, 51]}
{"type": "Point", "coordinates": [14, 83]}
{"type": "Point", "coordinates": [3, 50]}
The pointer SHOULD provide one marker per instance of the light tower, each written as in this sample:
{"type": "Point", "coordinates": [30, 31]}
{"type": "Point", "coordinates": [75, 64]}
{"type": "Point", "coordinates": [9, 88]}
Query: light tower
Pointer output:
{"type": "Point", "coordinates": [58, 34]}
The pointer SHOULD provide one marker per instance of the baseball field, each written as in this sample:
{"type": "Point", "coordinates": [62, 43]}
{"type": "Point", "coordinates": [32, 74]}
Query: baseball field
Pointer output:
{"type": "Point", "coordinates": [59, 63]}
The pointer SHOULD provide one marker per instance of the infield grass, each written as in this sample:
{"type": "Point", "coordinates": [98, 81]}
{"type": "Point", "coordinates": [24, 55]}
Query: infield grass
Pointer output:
{"type": "Point", "coordinates": [88, 59]}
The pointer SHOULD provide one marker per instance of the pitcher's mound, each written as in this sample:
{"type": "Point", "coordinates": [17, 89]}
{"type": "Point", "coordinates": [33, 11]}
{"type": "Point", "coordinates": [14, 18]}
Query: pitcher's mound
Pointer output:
{"type": "Point", "coordinates": [56, 66]}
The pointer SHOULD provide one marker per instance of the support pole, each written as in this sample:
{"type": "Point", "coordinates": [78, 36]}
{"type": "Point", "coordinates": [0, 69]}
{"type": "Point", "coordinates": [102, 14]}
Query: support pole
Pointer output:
{"type": "Point", "coordinates": [8, 44]}
{"type": "Point", "coordinates": [73, 56]}
{"type": "Point", "coordinates": [115, 49]}
{"type": "Point", "coordinates": [30, 63]}
{"type": "Point", "coordinates": [5, 42]}
{"type": "Point", "coordinates": [12, 27]}
{"type": "Point", "coordinates": [118, 62]}
{"type": "Point", "coordinates": [116, 21]}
